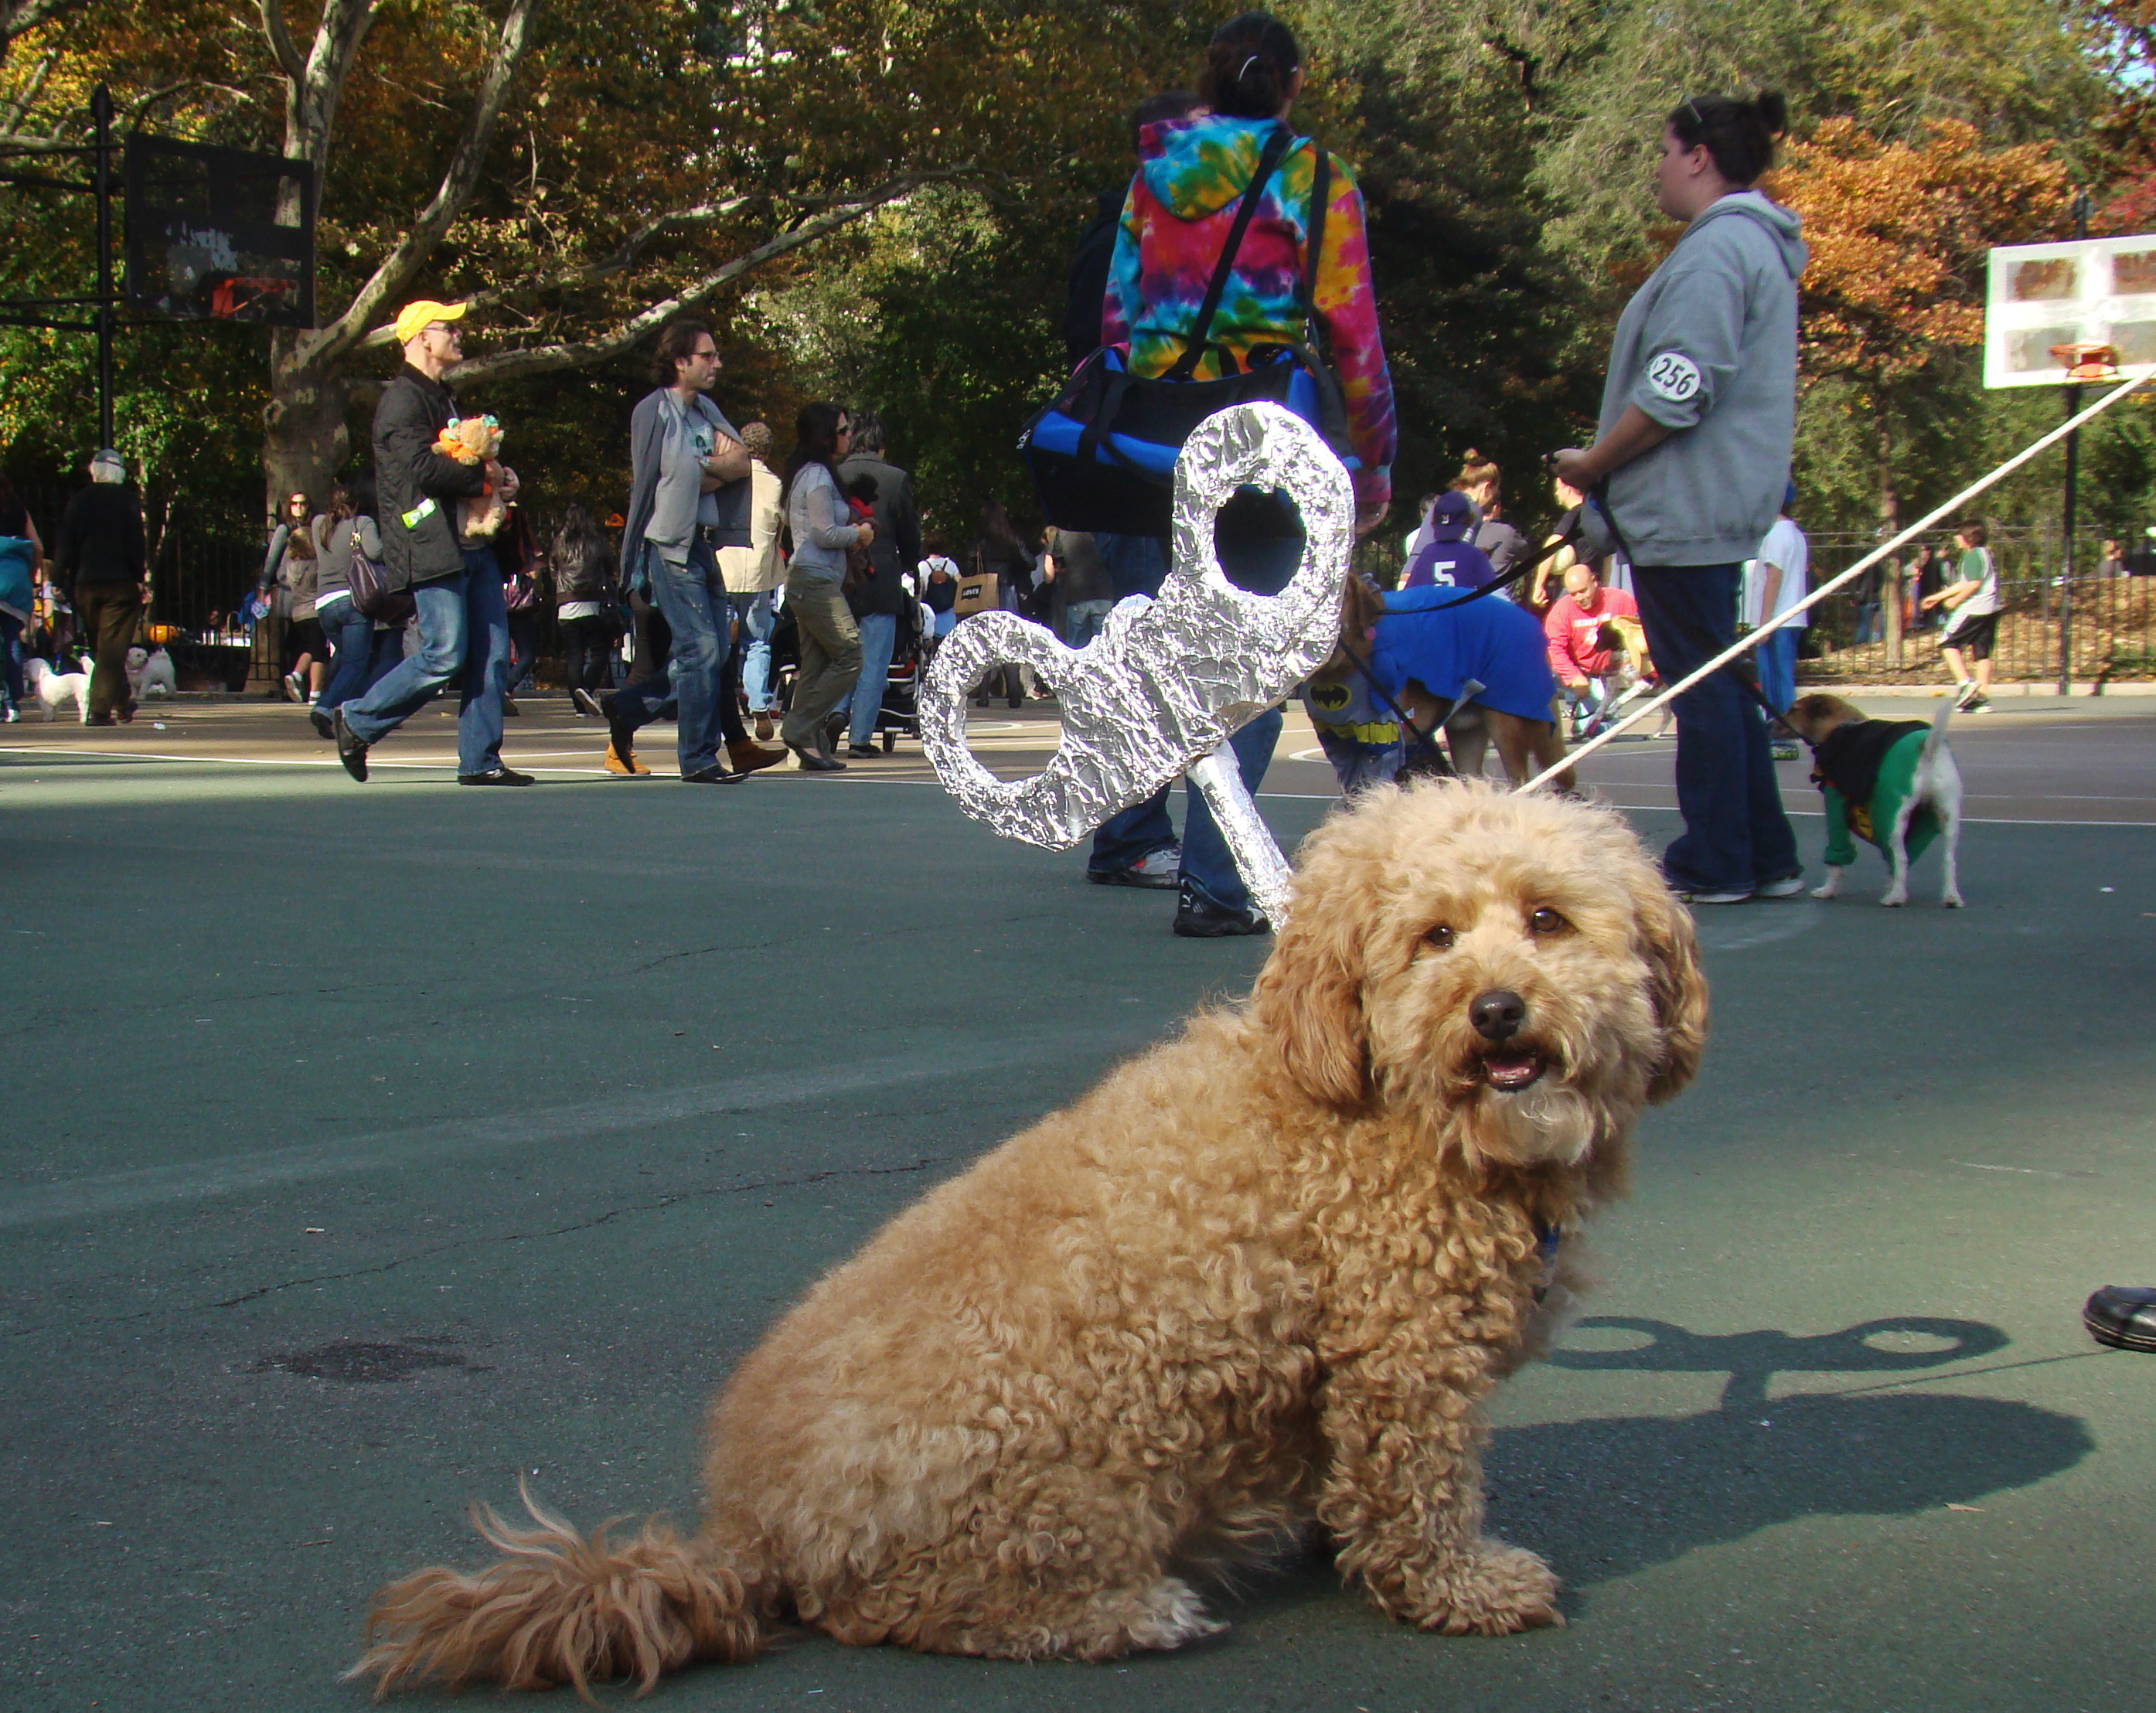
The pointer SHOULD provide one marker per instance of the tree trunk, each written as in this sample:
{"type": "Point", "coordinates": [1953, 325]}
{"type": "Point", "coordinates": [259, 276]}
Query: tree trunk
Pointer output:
{"type": "Point", "coordinates": [305, 441]}
{"type": "Point", "coordinates": [1890, 525]}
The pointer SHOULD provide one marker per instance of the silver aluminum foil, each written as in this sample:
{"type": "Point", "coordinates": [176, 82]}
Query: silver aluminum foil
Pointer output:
{"type": "Point", "coordinates": [1167, 682]}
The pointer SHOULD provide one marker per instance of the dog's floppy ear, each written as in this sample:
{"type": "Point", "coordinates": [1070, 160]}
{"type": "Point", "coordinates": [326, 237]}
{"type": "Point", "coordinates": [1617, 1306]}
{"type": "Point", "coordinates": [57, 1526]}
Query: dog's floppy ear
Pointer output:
{"type": "Point", "coordinates": [1678, 987]}
{"type": "Point", "coordinates": [1309, 999]}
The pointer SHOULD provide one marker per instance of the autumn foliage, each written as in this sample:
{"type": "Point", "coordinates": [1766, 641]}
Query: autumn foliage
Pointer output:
{"type": "Point", "coordinates": [1898, 233]}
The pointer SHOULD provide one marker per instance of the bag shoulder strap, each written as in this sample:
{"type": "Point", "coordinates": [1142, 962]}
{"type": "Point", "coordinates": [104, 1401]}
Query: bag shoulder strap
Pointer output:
{"type": "Point", "coordinates": [1280, 143]}
{"type": "Point", "coordinates": [1321, 198]}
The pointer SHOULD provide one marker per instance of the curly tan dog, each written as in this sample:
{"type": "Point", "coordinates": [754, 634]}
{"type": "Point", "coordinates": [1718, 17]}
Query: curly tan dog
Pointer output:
{"type": "Point", "coordinates": [1262, 1276]}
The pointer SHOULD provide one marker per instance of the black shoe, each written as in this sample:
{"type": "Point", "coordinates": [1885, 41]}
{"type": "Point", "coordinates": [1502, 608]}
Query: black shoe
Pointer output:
{"type": "Point", "coordinates": [585, 702]}
{"type": "Point", "coordinates": [860, 749]}
{"type": "Point", "coordinates": [324, 725]}
{"type": "Point", "coordinates": [1197, 917]}
{"type": "Point", "coordinates": [509, 707]}
{"type": "Point", "coordinates": [713, 775]}
{"type": "Point", "coordinates": [834, 728]}
{"type": "Point", "coordinates": [500, 775]}
{"type": "Point", "coordinates": [100, 720]}
{"type": "Point", "coordinates": [813, 763]}
{"type": "Point", "coordinates": [350, 750]}
{"type": "Point", "coordinates": [2123, 1317]}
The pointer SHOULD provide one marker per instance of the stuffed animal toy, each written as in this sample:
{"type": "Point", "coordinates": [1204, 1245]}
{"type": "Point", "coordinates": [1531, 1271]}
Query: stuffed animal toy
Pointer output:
{"type": "Point", "coordinates": [474, 440]}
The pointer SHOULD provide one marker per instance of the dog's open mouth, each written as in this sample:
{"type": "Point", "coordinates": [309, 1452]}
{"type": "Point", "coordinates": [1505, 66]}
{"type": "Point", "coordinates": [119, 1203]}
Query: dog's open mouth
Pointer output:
{"type": "Point", "coordinates": [1509, 1068]}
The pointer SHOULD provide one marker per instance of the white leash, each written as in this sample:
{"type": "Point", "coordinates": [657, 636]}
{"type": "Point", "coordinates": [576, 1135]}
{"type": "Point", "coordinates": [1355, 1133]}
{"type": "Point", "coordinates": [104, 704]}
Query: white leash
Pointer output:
{"type": "Point", "coordinates": [1824, 589]}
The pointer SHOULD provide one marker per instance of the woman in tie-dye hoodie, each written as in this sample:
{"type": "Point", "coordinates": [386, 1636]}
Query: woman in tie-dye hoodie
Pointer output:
{"type": "Point", "coordinates": [1176, 222]}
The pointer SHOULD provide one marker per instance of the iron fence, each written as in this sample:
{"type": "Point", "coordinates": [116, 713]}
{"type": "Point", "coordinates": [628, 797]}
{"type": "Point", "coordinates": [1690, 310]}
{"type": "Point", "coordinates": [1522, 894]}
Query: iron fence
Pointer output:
{"type": "Point", "coordinates": [2111, 620]}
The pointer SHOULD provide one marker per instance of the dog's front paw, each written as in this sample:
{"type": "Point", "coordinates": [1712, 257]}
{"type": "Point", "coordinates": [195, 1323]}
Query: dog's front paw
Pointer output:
{"type": "Point", "coordinates": [1494, 1592]}
{"type": "Point", "coordinates": [1951, 900]}
{"type": "Point", "coordinates": [1900, 894]}
{"type": "Point", "coordinates": [1830, 887]}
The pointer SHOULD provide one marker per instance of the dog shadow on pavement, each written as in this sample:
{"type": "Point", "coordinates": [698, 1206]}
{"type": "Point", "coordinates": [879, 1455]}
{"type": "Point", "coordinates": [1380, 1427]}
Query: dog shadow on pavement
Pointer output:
{"type": "Point", "coordinates": [1607, 1497]}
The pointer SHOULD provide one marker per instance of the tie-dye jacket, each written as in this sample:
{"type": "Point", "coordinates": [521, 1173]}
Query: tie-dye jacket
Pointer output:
{"type": "Point", "coordinates": [1176, 220]}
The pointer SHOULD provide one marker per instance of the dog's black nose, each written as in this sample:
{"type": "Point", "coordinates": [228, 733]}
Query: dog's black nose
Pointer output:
{"type": "Point", "coordinates": [1497, 1014]}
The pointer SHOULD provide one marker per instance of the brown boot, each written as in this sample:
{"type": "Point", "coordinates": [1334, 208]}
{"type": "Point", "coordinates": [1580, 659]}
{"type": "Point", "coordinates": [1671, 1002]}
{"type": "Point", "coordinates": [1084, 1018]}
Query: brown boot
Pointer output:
{"type": "Point", "coordinates": [620, 759]}
{"type": "Point", "coordinates": [764, 729]}
{"type": "Point", "coordinates": [746, 757]}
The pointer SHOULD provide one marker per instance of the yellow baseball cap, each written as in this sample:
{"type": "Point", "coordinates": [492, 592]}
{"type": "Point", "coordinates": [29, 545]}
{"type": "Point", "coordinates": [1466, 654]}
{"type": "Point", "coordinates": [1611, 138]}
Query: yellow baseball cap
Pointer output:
{"type": "Point", "coordinates": [414, 317]}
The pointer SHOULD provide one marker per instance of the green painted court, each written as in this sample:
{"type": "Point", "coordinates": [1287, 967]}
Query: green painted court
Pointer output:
{"type": "Point", "coordinates": [368, 1149]}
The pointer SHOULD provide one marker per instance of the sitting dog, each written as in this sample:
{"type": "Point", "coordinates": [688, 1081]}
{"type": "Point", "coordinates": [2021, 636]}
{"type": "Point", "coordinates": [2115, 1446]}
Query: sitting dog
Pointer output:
{"type": "Point", "coordinates": [53, 687]}
{"type": "Point", "coordinates": [1894, 784]}
{"type": "Point", "coordinates": [150, 674]}
{"type": "Point", "coordinates": [1260, 1278]}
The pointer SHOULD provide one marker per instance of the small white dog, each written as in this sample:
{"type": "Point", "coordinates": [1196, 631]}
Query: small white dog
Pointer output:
{"type": "Point", "coordinates": [1888, 781]}
{"type": "Point", "coordinates": [151, 674]}
{"type": "Point", "coordinates": [53, 688]}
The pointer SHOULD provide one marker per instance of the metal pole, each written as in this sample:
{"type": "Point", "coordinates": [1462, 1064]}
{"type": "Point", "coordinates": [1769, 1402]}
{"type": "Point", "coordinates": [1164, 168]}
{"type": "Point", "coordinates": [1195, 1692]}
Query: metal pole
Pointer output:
{"type": "Point", "coordinates": [2066, 519]}
{"type": "Point", "coordinates": [100, 109]}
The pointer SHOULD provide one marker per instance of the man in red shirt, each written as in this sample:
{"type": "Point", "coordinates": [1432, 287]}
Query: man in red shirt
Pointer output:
{"type": "Point", "coordinates": [1579, 653]}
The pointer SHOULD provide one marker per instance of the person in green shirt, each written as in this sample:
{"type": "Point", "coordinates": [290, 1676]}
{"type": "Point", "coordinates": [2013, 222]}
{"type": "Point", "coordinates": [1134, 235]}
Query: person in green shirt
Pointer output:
{"type": "Point", "coordinates": [1972, 602]}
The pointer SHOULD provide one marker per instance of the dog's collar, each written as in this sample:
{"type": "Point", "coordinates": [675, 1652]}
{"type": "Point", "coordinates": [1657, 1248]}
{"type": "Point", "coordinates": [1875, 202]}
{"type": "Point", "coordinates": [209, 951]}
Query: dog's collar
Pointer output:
{"type": "Point", "coordinates": [1546, 1239]}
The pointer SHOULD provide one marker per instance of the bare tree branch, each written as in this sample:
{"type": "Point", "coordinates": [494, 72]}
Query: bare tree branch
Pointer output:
{"type": "Point", "coordinates": [20, 17]}
{"type": "Point", "coordinates": [402, 265]}
{"type": "Point", "coordinates": [280, 41]}
{"type": "Point", "coordinates": [20, 108]}
{"type": "Point", "coordinates": [545, 359]}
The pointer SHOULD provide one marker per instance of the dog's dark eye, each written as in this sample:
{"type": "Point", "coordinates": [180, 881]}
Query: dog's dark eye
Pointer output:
{"type": "Point", "coordinates": [1441, 937]}
{"type": "Point", "coordinates": [1546, 920]}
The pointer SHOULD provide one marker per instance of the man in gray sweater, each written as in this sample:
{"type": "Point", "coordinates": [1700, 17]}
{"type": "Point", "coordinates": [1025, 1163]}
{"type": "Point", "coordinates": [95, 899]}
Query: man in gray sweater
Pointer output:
{"type": "Point", "coordinates": [1690, 463]}
{"type": "Point", "coordinates": [689, 495]}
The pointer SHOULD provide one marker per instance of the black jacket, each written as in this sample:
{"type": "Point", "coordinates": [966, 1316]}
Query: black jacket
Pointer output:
{"type": "Point", "coordinates": [583, 570]}
{"type": "Point", "coordinates": [409, 473]}
{"type": "Point", "coordinates": [897, 548]}
{"type": "Point", "coordinates": [1089, 268]}
{"type": "Point", "coordinates": [1849, 757]}
{"type": "Point", "coordinates": [100, 538]}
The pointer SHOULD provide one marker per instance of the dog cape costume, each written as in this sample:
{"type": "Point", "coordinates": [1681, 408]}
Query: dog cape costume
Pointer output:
{"type": "Point", "coordinates": [1866, 771]}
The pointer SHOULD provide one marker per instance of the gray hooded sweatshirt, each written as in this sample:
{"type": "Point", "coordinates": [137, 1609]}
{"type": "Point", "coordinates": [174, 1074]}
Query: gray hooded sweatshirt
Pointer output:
{"type": "Point", "coordinates": [1707, 347]}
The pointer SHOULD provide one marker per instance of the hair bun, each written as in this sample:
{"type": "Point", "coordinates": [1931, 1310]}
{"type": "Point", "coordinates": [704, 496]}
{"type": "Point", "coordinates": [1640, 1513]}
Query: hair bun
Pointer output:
{"type": "Point", "coordinates": [1774, 111]}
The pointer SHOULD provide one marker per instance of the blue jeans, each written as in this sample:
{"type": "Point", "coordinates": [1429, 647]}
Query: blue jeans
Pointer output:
{"type": "Point", "coordinates": [1135, 833]}
{"type": "Point", "coordinates": [463, 639]}
{"type": "Point", "coordinates": [1082, 621]}
{"type": "Point", "coordinates": [879, 634]}
{"type": "Point", "coordinates": [1736, 836]}
{"type": "Point", "coordinates": [1867, 622]}
{"type": "Point", "coordinates": [691, 597]}
{"type": "Point", "coordinates": [351, 633]}
{"type": "Point", "coordinates": [1259, 544]}
{"type": "Point", "coordinates": [11, 657]}
{"type": "Point", "coordinates": [1778, 670]}
{"type": "Point", "coordinates": [758, 615]}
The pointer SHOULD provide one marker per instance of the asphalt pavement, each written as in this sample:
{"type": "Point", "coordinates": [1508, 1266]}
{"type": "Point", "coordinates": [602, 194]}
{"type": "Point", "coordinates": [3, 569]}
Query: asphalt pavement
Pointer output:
{"type": "Point", "coordinates": [370, 1148]}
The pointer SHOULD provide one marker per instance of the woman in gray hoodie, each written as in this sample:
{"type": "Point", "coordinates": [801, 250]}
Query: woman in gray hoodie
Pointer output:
{"type": "Point", "coordinates": [1690, 462]}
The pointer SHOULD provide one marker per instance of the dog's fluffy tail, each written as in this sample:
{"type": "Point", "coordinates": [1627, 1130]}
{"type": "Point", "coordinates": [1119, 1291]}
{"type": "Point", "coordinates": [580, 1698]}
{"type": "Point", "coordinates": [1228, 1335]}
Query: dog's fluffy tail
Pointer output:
{"type": "Point", "coordinates": [1938, 735]}
{"type": "Point", "coordinates": [560, 1607]}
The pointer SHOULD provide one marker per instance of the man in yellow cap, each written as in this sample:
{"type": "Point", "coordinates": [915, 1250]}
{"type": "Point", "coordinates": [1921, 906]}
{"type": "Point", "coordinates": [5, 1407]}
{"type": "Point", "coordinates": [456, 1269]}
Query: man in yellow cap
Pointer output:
{"type": "Point", "coordinates": [455, 585]}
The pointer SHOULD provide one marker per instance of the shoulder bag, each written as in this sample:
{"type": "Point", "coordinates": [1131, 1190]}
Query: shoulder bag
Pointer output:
{"type": "Point", "coordinates": [1103, 454]}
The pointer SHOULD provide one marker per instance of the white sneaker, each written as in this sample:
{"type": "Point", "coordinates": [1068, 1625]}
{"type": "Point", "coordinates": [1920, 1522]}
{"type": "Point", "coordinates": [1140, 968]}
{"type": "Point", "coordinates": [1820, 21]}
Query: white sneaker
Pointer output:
{"type": "Point", "coordinates": [1788, 886]}
{"type": "Point", "coordinates": [1965, 694]}
{"type": "Point", "coordinates": [1714, 897]}
{"type": "Point", "coordinates": [293, 690]}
